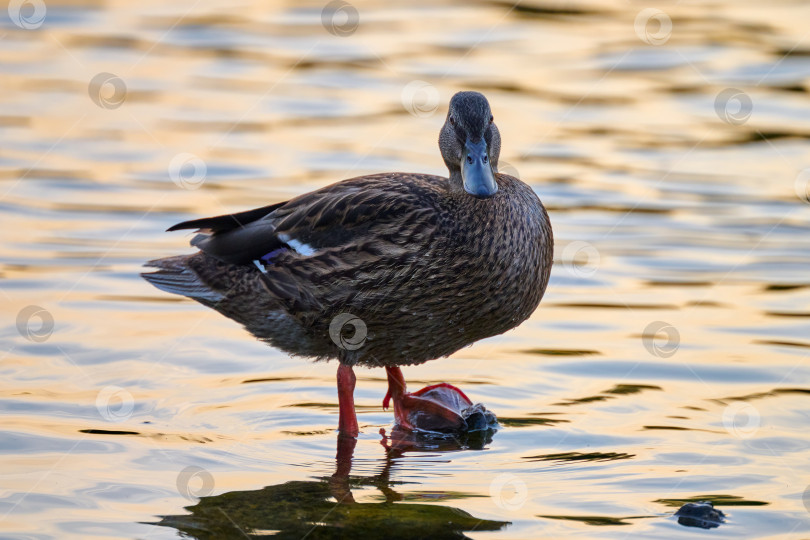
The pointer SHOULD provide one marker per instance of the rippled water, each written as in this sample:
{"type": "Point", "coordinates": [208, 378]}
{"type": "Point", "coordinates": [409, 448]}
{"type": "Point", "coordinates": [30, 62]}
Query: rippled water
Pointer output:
{"type": "Point", "coordinates": [668, 362]}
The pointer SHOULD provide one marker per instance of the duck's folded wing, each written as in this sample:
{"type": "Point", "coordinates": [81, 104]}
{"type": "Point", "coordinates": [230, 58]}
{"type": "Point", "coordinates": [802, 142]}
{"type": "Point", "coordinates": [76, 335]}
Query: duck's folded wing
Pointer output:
{"type": "Point", "coordinates": [369, 213]}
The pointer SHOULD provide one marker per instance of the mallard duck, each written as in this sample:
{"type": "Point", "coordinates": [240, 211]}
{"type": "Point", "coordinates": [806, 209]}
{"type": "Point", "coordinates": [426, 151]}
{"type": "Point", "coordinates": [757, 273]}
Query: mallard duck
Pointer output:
{"type": "Point", "coordinates": [385, 270]}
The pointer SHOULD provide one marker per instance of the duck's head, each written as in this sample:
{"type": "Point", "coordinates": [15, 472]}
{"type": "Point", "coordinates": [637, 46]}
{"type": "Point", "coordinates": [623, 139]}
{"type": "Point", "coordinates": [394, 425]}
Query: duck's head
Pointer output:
{"type": "Point", "coordinates": [470, 144]}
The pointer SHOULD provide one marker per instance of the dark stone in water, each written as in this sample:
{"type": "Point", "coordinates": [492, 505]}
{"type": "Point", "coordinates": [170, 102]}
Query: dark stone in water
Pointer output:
{"type": "Point", "coordinates": [701, 514]}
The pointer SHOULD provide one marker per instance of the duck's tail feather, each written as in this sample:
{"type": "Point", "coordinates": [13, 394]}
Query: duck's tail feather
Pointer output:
{"type": "Point", "coordinates": [176, 277]}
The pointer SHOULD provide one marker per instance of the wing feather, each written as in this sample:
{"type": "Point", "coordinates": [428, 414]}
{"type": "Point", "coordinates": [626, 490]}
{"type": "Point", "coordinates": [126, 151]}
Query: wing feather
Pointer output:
{"type": "Point", "coordinates": [341, 215]}
{"type": "Point", "coordinates": [355, 238]}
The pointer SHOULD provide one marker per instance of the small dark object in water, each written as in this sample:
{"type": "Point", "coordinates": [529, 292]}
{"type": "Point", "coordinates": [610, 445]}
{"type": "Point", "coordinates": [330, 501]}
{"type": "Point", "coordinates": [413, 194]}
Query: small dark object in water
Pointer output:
{"type": "Point", "coordinates": [700, 514]}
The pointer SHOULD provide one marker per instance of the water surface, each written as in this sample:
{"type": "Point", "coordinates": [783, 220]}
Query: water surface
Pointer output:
{"type": "Point", "coordinates": [668, 362]}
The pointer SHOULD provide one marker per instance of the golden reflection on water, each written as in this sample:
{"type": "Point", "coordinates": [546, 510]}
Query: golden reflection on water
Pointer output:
{"type": "Point", "coordinates": [668, 362]}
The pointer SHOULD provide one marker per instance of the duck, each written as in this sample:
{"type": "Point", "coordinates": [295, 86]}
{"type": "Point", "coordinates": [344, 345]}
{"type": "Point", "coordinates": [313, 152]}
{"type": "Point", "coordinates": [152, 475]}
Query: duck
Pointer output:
{"type": "Point", "coordinates": [381, 271]}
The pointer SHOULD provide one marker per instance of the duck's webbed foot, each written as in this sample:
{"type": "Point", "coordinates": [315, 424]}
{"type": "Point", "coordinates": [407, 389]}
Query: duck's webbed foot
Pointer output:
{"type": "Point", "coordinates": [438, 407]}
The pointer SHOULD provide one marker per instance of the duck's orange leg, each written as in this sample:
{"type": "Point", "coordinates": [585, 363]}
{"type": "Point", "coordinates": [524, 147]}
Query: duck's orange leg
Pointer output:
{"type": "Point", "coordinates": [397, 389]}
{"type": "Point", "coordinates": [347, 420]}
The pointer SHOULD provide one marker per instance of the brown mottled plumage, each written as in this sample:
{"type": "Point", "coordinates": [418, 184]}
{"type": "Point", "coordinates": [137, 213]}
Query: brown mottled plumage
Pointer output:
{"type": "Point", "coordinates": [428, 264]}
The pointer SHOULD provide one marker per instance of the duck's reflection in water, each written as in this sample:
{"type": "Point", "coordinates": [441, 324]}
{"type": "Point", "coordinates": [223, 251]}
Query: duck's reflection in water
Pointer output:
{"type": "Point", "coordinates": [326, 508]}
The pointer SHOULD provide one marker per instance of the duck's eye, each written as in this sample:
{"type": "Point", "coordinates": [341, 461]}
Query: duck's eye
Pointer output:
{"type": "Point", "coordinates": [491, 118]}
{"type": "Point", "coordinates": [452, 121]}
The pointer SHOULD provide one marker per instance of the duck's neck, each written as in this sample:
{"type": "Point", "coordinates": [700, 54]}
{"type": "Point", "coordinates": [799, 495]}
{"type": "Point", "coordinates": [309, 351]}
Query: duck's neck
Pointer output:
{"type": "Point", "coordinates": [456, 182]}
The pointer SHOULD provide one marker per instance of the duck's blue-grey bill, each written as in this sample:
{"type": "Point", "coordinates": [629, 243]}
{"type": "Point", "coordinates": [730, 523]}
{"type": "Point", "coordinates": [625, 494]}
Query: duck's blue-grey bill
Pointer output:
{"type": "Point", "coordinates": [476, 170]}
